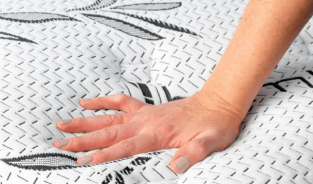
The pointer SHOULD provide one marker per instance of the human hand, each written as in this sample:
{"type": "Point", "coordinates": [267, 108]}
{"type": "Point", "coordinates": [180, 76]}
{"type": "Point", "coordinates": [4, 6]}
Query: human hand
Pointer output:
{"type": "Point", "coordinates": [198, 125]}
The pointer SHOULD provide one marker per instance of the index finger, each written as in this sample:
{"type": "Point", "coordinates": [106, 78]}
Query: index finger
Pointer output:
{"type": "Point", "coordinates": [115, 102]}
{"type": "Point", "coordinates": [92, 123]}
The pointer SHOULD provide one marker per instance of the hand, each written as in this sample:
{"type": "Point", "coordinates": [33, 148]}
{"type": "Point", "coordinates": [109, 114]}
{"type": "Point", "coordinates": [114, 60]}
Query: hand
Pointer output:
{"type": "Point", "coordinates": [198, 125]}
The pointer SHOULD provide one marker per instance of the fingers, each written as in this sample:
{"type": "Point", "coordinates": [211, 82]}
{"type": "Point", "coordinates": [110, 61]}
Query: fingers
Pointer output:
{"type": "Point", "coordinates": [126, 148]}
{"type": "Point", "coordinates": [114, 102]}
{"type": "Point", "coordinates": [93, 123]}
{"type": "Point", "coordinates": [97, 139]}
{"type": "Point", "coordinates": [195, 151]}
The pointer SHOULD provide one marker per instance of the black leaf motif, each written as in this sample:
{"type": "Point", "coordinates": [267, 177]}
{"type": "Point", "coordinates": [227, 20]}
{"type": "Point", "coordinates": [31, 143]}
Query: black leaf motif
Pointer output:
{"type": "Point", "coordinates": [125, 27]}
{"type": "Point", "coordinates": [177, 98]}
{"type": "Point", "coordinates": [107, 179]}
{"type": "Point", "coordinates": [95, 6]}
{"type": "Point", "coordinates": [150, 6]}
{"type": "Point", "coordinates": [119, 178]}
{"type": "Point", "coordinates": [43, 162]}
{"type": "Point", "coordinates": [156, 153]}
{"type": "Point", "coordinates": [7, 36]}
{"type": "Point", "coordinates": [127, 170]}
{"type": "Point", "coordinates": [167, 93]}
{"type": "Point", "coordinates": [140, 161]}
{"type": "Point", "coordinates": [35, 17]}
{"type": "Point", "coordinates": [161, 24]}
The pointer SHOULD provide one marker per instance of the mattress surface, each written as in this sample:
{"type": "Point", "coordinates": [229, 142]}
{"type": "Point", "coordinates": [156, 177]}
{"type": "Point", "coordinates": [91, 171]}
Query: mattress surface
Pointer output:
{"type": "Point", "coordinates": [55, 52]}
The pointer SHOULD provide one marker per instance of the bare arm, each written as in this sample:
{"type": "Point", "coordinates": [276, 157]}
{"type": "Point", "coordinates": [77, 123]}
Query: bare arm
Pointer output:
{"type": "Point", "coordinates": [265, 32]}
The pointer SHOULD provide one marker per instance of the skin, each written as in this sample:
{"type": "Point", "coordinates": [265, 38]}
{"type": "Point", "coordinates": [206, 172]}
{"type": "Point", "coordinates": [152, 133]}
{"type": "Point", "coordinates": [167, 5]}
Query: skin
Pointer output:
{"type": "Point", "coordinates": [207, 121]}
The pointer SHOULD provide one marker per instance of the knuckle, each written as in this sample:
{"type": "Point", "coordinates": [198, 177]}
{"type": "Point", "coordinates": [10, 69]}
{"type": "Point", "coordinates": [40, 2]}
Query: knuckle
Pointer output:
{"type": "Point", "coordinates": [127, 117]}
{"type": "Point", "coordinates": [199, 146]}
{"type": "Point", "coordinates": [121, 97]}
{"type": "Point", "coordinates": [122, 117]}
{"type": "Point", "coordinates": [110, 132]}
{"type": "Point", "coordinates": [128, 146]}
{"type": "Point", "coordinates": [164, 130]}
{"type": "Point", "coordinates": [216, 133]}
{"type": "Point", "coordinates": [79, 144]}
{"type": "Point", "coordinates": [110, 118]}
{"type": "Point", "coordinates": [153, 133]}
{"type": "Point", "coordinates": [147, 118]}
{"type": "Point", "coordinates": [162, 135]}
{"type": "Point", "coordinates": [175, 143]}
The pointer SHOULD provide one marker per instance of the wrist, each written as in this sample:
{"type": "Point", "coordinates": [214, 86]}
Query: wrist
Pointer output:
{"type": "Point", "coordinates": [234, 90]}
{"type": "Point", "coordinates": [212, 100]}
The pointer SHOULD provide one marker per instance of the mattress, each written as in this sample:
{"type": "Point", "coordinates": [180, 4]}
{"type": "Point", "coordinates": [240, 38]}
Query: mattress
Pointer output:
{"type": "Point", "coordinates": [55, 52]}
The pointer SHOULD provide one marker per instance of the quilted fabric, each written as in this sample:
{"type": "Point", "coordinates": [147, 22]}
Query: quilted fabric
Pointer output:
{"type": "Point", "coordinates": [54, 52]}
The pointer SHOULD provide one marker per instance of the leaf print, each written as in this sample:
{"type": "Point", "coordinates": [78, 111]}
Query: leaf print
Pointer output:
{"type": "Point", "coordinates": [96, 5]}
{"type": "Point", "coordinates": [161, 24]}
{"type": "Point", "coordinates": [127, 170]}
{"type": "Point", "coordinates": [150, 6]}
{"type": "Point", "coordinates": [178, 98]}
{"type": "Point", "coordinates": [34, 17]}
{"type": "Point", "coordinates": [108, 179]}
{"type": "Point", "coordinates": [140, 161]}
{"type": "Point", "coordinates": [156, 153]}
{"type": "Point", "coordinates": [119, 178]}
{"type": "Point", "coordinates": [125, 27]}
{"type": "Point", "coordinates": [7, 36]}
{"type": "Point", "coordinates": [49, 161]}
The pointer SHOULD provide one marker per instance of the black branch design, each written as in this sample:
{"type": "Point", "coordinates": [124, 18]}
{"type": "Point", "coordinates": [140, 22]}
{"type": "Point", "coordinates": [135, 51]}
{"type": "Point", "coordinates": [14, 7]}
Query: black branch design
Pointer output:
{"type": "Point", "coordinates": [107, 179]}
{"type": "Point", "coordinates": [7, 36]}
{"type": "Point", "coordinates": [120, 25]}
{"type": "Point", "coordinates": [149, 6]}
{"type": "Point", "coordinates": [99, 4]}
{"type": "Point", "coordinates": [35, 17]}
{"type": "Point", "coordinates": [178, 98]}
{"type": "Point", "coordinates": [43, 162]}
{"type": "Point", "coordinates": [127, 170]}
{"type": "Point", "coordinates": [161, 24]}
{"type": "Point", "coordinates": [140, 161]}
{"type": "Point", "coordinates": [125, 27]}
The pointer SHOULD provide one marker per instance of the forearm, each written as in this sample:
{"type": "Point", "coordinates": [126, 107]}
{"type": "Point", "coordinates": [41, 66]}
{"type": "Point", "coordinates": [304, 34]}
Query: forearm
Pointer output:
{"type": "Point", "coordinates": [265, 32]}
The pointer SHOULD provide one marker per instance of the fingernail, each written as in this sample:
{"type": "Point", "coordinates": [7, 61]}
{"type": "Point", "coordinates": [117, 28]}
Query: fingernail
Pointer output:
{"type": "Point", "coordinates": [85, 99]}
{"type": "Point", "coordinates": [182, 164]}
{"type": "Point", "coordinates": [61, 142]}
{"type": "Point", "coordinates": [85, 160]}
{"type": "Point", "coordinates": [66, 121]}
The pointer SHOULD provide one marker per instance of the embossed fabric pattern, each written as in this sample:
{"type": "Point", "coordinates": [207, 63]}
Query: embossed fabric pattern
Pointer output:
{"type": "Point", "coordinates": [55, 52]}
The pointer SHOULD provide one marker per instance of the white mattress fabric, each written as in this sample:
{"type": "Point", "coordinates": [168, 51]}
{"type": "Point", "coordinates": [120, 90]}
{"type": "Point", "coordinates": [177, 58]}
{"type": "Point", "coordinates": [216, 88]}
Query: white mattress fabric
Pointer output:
{"type": "Point", "coordinates": [55, 52]}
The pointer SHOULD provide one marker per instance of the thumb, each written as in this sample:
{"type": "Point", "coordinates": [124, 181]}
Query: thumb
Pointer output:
{"type": "Point", "coordinates": [195, 150]}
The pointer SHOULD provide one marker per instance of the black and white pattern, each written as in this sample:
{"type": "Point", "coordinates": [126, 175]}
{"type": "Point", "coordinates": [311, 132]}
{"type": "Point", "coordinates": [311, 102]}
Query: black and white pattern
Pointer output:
{"type": "Point", "coordinates": [99, 4]}
{"type": "Point", "coordinates": [55, 52]}
{"type": "Point", "coordinates": [162, 24]}
{"type": "Point", "coordinates": [125, 27]}
{"type": "Point", "coordinates": [42, 162]}
{"type": "Point", "coordinates": [118, 24]}
{"type": "Point", "coordinates": [149, 6]}
{"type": "Point", "coordinates": [8, 36]}
{"type": "Point", "coordinates": [34, 17]}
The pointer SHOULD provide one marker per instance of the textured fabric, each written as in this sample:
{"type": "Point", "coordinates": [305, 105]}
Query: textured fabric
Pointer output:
{"type": "Point", "coordinates": [54, 52]}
